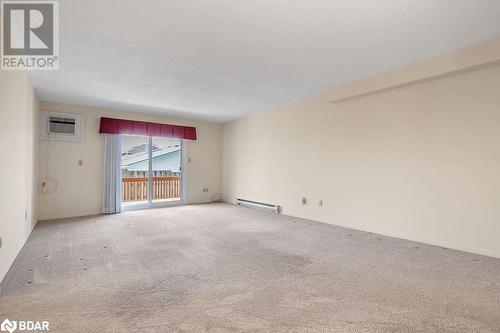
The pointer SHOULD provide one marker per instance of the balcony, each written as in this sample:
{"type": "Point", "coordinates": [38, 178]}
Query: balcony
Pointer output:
{"type": "Point", "coordinates": [164, 189]}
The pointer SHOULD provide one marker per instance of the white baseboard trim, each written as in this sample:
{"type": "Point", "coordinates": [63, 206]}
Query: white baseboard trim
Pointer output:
{"type": "Point", "coordinates": [3, 274]}
{"type": "Point", "coordinates": [453, 246]}
{"type": "Point", "coordinates": [428, 241]}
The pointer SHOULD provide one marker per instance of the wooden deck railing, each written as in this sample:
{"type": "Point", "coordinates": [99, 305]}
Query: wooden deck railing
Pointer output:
{"type": "Point", "coordinates": [136, 189]}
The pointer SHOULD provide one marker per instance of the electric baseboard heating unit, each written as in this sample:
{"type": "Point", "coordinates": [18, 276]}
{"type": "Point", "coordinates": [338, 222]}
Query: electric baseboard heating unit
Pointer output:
{"type": "Point", "coordinates": [258, 205]}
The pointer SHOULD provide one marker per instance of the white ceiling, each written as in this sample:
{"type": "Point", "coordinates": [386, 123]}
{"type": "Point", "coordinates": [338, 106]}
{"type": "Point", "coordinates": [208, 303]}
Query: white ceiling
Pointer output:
{"type": "Point", "coordinates": [222, 59]}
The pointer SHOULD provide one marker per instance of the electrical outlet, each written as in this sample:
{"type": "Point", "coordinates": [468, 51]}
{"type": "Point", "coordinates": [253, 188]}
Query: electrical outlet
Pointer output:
{"type": "Point", "coordinates": [25, 214]}
{"type": "Point", "coordinates": [304, 201]}
{"type": "Point", "coordinates": [205, 190]}
{"type": "Point", "coordinates": [0, 242]}
{"type": "Point", "coordinates": [80, 162]}
{"type": "Point", "coordinates": [320, 203]}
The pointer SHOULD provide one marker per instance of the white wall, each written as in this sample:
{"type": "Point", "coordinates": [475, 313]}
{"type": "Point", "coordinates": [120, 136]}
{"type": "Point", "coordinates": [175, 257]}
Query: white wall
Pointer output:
{"type": "Point", "coordinates": [79, 190]}
{"type": "Point", "coordinates": [18, 151]}
{"type": "Point", "coordinates": [421, 161]}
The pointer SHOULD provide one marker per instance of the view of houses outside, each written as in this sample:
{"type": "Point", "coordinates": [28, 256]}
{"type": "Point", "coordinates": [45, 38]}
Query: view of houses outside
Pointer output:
{"type": "Point", "coordinates": [135, 157]}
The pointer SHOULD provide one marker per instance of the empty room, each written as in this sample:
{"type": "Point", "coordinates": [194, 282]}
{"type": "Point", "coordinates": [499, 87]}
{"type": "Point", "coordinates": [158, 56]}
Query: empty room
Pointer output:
{"type": "Point", "coordinates": [250, 166]}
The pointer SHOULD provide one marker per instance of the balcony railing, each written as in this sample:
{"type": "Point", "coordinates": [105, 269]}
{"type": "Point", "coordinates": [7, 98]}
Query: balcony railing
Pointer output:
{"type": "Point", "coordinates": [136, 189]}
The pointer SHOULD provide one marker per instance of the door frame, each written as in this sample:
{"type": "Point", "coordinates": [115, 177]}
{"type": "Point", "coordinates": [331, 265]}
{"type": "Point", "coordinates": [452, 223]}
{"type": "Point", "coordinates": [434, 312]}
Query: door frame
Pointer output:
{"type": "Point", "coordinates": [183, 189]}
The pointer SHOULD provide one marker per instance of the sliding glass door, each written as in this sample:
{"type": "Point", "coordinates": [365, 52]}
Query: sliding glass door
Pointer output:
{"type": "Point", "coordinates": [151, 171]}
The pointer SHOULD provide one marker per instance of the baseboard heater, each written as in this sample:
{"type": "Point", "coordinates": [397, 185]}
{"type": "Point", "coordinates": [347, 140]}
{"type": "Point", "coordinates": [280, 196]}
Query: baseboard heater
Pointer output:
{"type": "Point", "coordinates": [258, 205]}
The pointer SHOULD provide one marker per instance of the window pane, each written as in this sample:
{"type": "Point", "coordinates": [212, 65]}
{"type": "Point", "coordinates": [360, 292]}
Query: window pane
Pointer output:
{"type": "Point", "coordinates": [135, 166]}
{"type": "Point", "coordinates": [166, 169]}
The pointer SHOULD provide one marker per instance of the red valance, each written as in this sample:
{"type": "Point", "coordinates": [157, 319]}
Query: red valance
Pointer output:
{"type": "Point", "coordinates": [133, 127]}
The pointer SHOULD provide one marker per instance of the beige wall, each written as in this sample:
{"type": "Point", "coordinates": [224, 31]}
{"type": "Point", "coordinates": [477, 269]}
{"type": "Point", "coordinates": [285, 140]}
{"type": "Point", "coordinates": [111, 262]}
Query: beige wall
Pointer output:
{"type": "Point", "coordinates": [421, 162]}
{"type": "Point", "coordinates": [79, 189]}
{"type": "Point", "coordinates": [18, 148]}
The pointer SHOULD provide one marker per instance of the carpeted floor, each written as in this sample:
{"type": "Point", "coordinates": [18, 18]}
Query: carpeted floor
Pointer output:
{"type": "Point", "coordinates": [224, 268]}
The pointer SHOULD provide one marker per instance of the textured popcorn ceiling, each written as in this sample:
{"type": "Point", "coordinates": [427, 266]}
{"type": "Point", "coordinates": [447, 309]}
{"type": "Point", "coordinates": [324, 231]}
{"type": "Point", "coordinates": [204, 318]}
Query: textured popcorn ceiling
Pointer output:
{"type": "Point", "coordinates": [222, 59]}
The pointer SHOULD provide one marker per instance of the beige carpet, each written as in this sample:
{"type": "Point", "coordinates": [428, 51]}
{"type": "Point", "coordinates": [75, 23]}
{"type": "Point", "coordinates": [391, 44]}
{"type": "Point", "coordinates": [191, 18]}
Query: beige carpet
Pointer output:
{"type": "Point", "coordinates": [224, 268]}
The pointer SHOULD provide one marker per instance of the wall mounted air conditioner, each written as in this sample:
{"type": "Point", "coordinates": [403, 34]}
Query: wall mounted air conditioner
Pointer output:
{"type": "Point", "coordinates": [61, 126]}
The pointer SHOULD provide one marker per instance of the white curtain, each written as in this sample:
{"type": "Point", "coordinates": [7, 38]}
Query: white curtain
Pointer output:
{"type": "Point", "coordinates": [111, 193]}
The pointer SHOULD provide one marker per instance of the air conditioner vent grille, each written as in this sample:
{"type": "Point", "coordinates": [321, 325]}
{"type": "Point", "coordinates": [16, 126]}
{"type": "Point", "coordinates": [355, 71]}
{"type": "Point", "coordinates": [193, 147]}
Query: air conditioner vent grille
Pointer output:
{"type": "Point", "coordinates": [62, 125]}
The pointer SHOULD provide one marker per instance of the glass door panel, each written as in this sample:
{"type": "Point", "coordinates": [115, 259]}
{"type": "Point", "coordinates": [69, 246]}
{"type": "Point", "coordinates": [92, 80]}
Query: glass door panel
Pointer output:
{"type": "Point", "coordinates": [166, 170]}
{"type": "Point", "coordinates": [135, 171]}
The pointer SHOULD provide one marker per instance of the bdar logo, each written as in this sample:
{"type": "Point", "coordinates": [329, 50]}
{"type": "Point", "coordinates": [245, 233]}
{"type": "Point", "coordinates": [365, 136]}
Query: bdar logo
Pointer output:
{"type": "Point", "coordinates": [8, 326]}
{"type": "Point", "coordinates": [23, 325]}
